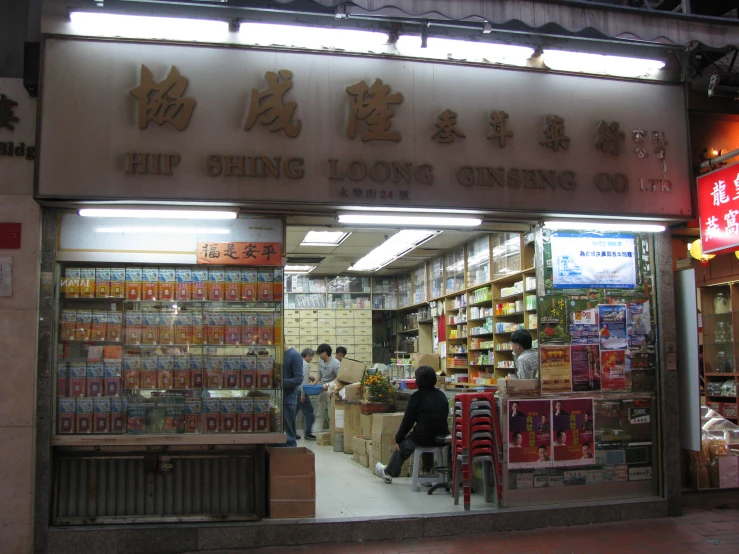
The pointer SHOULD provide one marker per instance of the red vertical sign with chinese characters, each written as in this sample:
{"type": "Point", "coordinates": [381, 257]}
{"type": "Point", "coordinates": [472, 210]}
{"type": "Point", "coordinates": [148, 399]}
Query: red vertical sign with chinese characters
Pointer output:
{"type": "Point", "coordinates": [718, 210]}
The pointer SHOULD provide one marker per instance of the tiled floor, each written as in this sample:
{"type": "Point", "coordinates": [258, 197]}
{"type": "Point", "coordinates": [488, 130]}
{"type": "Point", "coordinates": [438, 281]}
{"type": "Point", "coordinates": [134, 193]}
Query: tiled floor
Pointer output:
{"type": "Point", "coordinates": [699, 530]}
{"type": "Point", "coordinates": [345, 489]}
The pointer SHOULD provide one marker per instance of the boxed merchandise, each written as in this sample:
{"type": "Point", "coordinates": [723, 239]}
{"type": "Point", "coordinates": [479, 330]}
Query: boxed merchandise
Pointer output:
{"type": "Point", "coordinates": [62, 378]}
{"type": "Point", "coordinates": [232, 327]}
{"type": "Point", "coordinates": [292, 482]}
{"type": "Point", "coordinates": [184, 283]}
{"type": "Point", "coordinates": [515, 387]}
{"type": "Point", "coordinates": [264, 377]}
{"type": "Point", "coordinates": [264, 277]}
{"type": "Point", "coordinates": [248, 369]}
{"type": "Point", "coordinates": [351, 371]}
{"type": "Point", "coordinates": [68, 325]}
{"type": "Point", "coordinates": [134, 278]}
{"type": "Point", "coordinates": [94, 379]}
{"type": "Point", "coordinates": [114, 327]}
{"type": "Point", "coordinates": [112, 378]}
{"type": "Point", "coordinates": [216, 283]}
{"type": "Point", "coordinates": [228, 415]}
{"type": "Point", "coordinates": [249, 285]}
{"type": "Point", "coordinates": [150, 278]}
{"type": "Point", "coordinates": [167, 283]}
{"type": "Point", "coordinates": [101, 415]}
{"type": "Point", "coordinates": [361, 459]}
{"type": "Point", "coordinates": [249, 327]}
{"type": "Point", "coordinates": [245, 415]}
{"type": "Point", "coordinates": [362, 445]}
{"type": "Point", "coordinates": [214, 322]}
{"type": "Point", "coordinates": [87, 282]}
{"type": "Point", "coordinates": [231, 372]}
{"type": "Point", "coordinates": [233, 285]}
{"type": "Point", "coordinates": [351, 393]}
{"type": "Point", "coordinates": [199, 283]}
{"type": "Point", "coordinates": [117, 416]}
{"type": "Point", "coordinates": [134, 325]}
{"type": "Point", "coordinates": [77, 378]}
{"type": "Point", "coordinates": [118, 282]}
{"type": "Point", "coordinates": [351, 424]}
{"type": "Point", "coordinates": [211, 415]}
{"type": "Point", "coordinates": [165, 372]}
{"type": "Point", "coordinates": [182, 374]}
{"type": "Point", "coordinates": [66, 415]}
{"type": "Point", "coordinates": [198, 329]}
{"type": "Point", "coordinates": [174, 414]}
{"type": "Point", "coordinates": [365, 424]}
{"type": "Point", "coordinates": [386, 424]}
{"type": "Point", "coordinates": [213, 372]}
{"type": "Point", "coordinates": [336, 418]}
{"type": "Point", "coordinates": [192, 415]}
{"type": "Point", "coordinates": [323, 438]}
{"type": "Point", "coordinates": [99, 329]}
{"type": "Point", "coordinates": [136, 418]}
{"type": "Point", "coordinates": [431, 360]}
{"type": "Point", "coordinates": [148, 372]}
{"type": "Point", "coordinates": [102, 282]}
{"type": "Point", "coordinates": [84, 325]}
{"type": "Point", "coordinates": [266, 323]}
{"type": "Point", "coordinates": [262, 408]}
{"type": "Point", "coordinates": [71, 282]}
{"type": "Point", "coordinates": [84, 415]}
{"type": "Point", "coordinates": [277, 285]}
{"type": "Point", "coordinates": [183, 328]}
{"type": "Point", "coordinates": [131, 379]}
{"type": "Point", "coordinates": [166, 328]}
{"type": "Point", "coordinates": [197, 371]}
{"type": "Point", "coordinates": [150, 328]}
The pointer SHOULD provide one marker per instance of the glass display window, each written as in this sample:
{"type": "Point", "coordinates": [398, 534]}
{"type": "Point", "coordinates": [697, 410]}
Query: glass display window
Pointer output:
{"type": "Point", "coordinates": [454, 270]}
{"type": "Point", "coordinates": [478, 261]}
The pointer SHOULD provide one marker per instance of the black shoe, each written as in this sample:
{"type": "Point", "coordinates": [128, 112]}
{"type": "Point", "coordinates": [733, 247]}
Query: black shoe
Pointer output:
{"type": "Point", "coordinates": [309, 437]}
{"type": "Point", "coordinates": [298, 437]}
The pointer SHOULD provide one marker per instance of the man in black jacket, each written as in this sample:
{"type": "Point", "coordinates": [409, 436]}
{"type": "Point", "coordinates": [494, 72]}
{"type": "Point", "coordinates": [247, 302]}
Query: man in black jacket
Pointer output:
{"type": "Point", "coordinates": [425, 419]}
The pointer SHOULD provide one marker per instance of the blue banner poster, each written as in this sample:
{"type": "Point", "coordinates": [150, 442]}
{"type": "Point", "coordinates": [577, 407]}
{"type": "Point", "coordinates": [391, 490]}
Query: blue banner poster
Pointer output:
{"type": "Point", "coordinates": [593, 260]}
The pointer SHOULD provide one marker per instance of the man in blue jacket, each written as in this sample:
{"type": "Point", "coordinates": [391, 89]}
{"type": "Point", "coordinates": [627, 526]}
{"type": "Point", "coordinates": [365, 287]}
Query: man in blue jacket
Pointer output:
{"type": "Point", "coordinates": [292, 378]}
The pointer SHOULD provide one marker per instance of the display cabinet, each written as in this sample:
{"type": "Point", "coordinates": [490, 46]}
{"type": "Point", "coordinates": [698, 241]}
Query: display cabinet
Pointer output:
{"type": "Point", "coordinates": [349, 292]}
{"type": "Point", "coordinates": [384, 293]}
{"type": "Point", "coordinates": [418, 276]}
{"type": "Point", "coordinates": [305, 291]}
{"type": "Point", "coordinates": [454, 270]}
{"type": "Point", "coordinates": [481, 353]}
{"type": "Point", "coordinates": [506, 254]}
{"type": "Point", "coordinates": [436, 278]}
{"type": "Point", "coordinates": [478, 261]}
{"type": "Point", "coordinates": [405, 291]}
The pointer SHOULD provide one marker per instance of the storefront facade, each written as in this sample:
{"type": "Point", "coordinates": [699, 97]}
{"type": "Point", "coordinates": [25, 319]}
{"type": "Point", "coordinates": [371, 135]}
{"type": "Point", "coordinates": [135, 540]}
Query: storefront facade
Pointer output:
{"type": "Point", "coordinates": [126, 123]}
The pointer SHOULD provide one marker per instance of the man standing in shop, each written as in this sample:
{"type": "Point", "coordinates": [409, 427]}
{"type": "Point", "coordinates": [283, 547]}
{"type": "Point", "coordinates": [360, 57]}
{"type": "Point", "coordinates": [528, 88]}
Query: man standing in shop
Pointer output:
{"type": "Point", "coordinates": [526, 358]}
{"type": "Point", "coordinates": [292, 378]}
{"type": "Point", "coordinates": [340, 353]}
{"type": "Point", "coordinates": [328, 369]}
{"type": "Point", "coordinates": [304, 403]}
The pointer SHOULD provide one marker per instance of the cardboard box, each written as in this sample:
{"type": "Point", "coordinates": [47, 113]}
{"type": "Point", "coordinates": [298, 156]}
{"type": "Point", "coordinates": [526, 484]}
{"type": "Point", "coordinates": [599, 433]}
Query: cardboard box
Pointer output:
{"type": "Point", "coordinates": [361, 459]}
{"type": "Point", "coordinates": [351, 424]}
{"type": "Point", "coordinates": [362, 445]}
{"type": "Point", "coordinates": [352, 393]}
{"type": "Point", "coordinates": [292, 483]}
{"type": "Point", "coordinates": [432, 360]}
{"type": "Point", "coordinates": [365, 424]}
{"type": "Point", "coordinates": [515, 387]}
{"type": "Point", "coordinates": [385, 425]}
{"type": "Point", "coordinates": [383, 449]}
{"type": "Point", "coordinates": [336, 417]}
{"type": "Point", "coordinates": [323, 438]}
{"type": "Point", "coordinates": [351, 371]}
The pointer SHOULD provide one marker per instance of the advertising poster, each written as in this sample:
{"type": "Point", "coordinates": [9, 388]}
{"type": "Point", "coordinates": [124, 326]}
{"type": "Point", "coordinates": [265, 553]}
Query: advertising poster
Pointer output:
{"type": "Point", "coordinates": [555, 369]}
{"type": "Point", "coordinates": [529, 433]}
{"type": "Point", "coordinates": [613, 370]}
{"type": "Point", "coordinates": [553, 320]}
{"type": "Point", "coordinates": [583, 320]}
{"type": "Point", "coordinates": [585, 367]}
{"type": "Point", "coordinates": [572, 432]}
{"type": "Point", "coordinates": [593, 260]}
{"type": "Point", "coordinates": [613, 328]}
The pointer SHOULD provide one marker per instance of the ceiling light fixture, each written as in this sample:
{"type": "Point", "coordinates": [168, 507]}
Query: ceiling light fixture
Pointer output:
{"type": "Point", "coordinates": [471, 51]}
{"type": "Point", "coordinates": [156, 214]}
{"type": "Point", "coordinates": [316, 38]}
{"type": "Point", "coordinates": [324, 238]}
{"type": "Point", "coordinates": [393, 248]}
{"type": "Point", "coordinates": [626, 227]}
{"type": "Point", "coordinates": [406, 220]}
{"type": "Point", "coordinates": [138, 26]}
{"type": "Point", "coordinates": [164, 230]}
{"type": "Point", "coordinates": [582, 62]}
{"type": "Point", "coordinates": [299, 268]}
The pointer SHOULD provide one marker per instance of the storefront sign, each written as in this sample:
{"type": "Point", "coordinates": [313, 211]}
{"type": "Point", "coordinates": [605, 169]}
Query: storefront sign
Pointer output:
{"type": "Point", "coordinates": [718, 209]}
{"type": "Point", "coordinates": [240, 253]}
{"type": "Point", "coordinates": [593, 260]}
{"type": "Point", "coordinates": [17, 137]}
{"type": "Point", "coordinates": [304, 128]}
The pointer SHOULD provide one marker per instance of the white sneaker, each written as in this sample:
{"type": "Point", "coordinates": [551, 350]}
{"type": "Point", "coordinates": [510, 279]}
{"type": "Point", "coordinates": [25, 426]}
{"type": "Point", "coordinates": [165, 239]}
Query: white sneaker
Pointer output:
{"type": "Point", "coordinates": [380, 472]}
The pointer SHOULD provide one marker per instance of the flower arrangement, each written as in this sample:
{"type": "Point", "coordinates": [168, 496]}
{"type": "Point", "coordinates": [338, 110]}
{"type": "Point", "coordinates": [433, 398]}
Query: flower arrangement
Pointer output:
{"type": "Point", "coordinates": [375, 387]}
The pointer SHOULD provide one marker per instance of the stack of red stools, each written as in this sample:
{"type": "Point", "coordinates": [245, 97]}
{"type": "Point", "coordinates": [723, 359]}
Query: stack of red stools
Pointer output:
{"type": "Point", "coordinates": [475, 439]}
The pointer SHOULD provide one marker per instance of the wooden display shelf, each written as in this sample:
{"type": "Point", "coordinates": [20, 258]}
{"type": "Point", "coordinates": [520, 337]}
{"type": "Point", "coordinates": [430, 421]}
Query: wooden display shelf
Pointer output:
{"type": "Point", "coordinates": [479, 319]}
{"type": "Point", "coordinates": [480, 349]}
{"type": "Point", "coordinates": [456, 338]}
{"type": "Point", "coordinates": [425, 321]}
{"type": "Point", "coordinates": [508, 296]}
{"type": "Point", "coordinates": [188, 439]}
{"type": "Point", "coordinates": [721, 374]}
{"type": "Point", "coordinates": [510, 314]}
{"type": "Point", "coordinates": [467, 385]}
{"type": "Point", "coordinates": [481, 302]}
{"type": "Point", "coordinates": [482, 335]}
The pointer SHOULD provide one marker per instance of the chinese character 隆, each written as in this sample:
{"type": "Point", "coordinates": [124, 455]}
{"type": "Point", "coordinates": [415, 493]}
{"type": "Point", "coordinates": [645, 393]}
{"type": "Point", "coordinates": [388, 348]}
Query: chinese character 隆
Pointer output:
{"type": "Point", "coordinates": [554, 133]}
{"type": "Point", "coordinates": [163, 102]}
{"type": "Point", "coordinates": [269, 106]}
{"type": "Point", "coordinates": [498, 123]}
{"type": "Point", "coordinates": [447, 126]}
{"type": "Point", "coordinates": [372, 105]}
{"type": "Point", "coordinates": [609, 137]}
{"type": "Point", "coordinates": [7, 117]}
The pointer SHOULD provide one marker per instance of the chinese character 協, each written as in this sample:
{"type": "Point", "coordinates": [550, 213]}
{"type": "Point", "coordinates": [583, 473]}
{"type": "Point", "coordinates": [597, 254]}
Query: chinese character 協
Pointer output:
{"type": "Point", "coordinates": [498, 123]}
{"type": "Point", "coordinates": [447, 126]}
{"type": "Point", "coordinates": [554, 133]}
{"type": "Point", "coordinates": [163, 102]}
{"type": "Point", "coordinates": [269, 107]}
{"type": "Point", "coordinates": [372, 105]}
{"type": "Point", "coordinates": [7, 117]}
{"type": "Point", "coordinates": [719, 193]}
{"type": "Point", "coordinates": [609, 137]}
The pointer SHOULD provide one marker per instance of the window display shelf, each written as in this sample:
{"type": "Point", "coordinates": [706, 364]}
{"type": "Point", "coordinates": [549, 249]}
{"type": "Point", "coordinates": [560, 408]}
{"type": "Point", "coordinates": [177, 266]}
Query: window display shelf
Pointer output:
{"type": "Point", "coordinates": [170, 440]}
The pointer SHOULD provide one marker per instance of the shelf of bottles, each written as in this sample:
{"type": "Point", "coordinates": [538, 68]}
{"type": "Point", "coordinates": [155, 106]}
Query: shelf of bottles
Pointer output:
{"type": "Point", "coordinates": [478, 261]}
{"type": "Point", "coordinates": [349, 292]}
{"type": "Point", "coordinates": [456, 331]}
{"type": "Point", "coordinates": [454, 270]}
{"type": "Point", "coordinates": [384, 293]}
{"type": "Point", "coordinates": [436, 277]}
{"type": "Point", "coordinates": [169, 350]}
{"type": "Point", "coordinates": [305, 291]}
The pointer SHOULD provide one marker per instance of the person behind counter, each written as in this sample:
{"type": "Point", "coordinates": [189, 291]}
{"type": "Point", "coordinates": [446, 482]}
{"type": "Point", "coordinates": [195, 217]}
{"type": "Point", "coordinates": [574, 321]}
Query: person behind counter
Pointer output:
{"type": "Point", "coordinates": [425, 419]}
{"type": "Point", "coordinates": [340, 353]}
{"type": "Point", "coordinates": [526, 358]}
{"type": "Point", "coordinates": [328, 369]}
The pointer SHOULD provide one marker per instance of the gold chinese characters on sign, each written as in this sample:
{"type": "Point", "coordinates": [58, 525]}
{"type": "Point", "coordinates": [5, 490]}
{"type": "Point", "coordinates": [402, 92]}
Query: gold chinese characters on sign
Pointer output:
{"type": "Point", "coordinates": [269, 108]}
{"type": "Point", "coordinates": [163, 102]}
{"type": "Point", "coordinates": [372, 105]}
{"type": "Point", "coordinates": [447, 128]}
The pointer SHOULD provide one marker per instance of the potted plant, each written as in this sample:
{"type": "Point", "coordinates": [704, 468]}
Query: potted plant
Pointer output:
{"type": "Point", "coordinates": [376, 391]}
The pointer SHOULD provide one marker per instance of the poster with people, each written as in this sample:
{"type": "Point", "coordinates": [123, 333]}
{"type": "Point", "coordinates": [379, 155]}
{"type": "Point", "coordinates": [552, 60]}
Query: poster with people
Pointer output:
{"type": "Point", "coordinates": [585, 367]}
{"type": "Point", "coordinates": [572, 432]}
{"type": "Point", "coordinates": [529, 433]}
{"type": "Point", "coordinates": [555, 369]}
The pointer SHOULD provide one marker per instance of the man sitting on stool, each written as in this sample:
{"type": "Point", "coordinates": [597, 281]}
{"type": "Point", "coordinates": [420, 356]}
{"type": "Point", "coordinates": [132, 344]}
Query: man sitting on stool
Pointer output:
{"type": "Point", "coordinates": [426, 414]}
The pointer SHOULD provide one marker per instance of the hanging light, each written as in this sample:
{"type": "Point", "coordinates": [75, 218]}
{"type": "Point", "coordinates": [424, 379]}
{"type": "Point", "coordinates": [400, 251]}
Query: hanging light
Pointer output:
{"type": "Point", "coordinates": [736, 253]}
{"type": "Point", "coordinates": [697, 252]}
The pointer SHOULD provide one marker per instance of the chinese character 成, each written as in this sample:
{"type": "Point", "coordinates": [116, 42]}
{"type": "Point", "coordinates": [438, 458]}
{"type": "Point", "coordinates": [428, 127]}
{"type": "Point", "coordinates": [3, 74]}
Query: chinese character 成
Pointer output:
{"type": "Point", "coordinates": [498, 123]}
{"type": "Point", "coordinates": [554, 133]}
{"type": "Point", "coordinates": [609, 137]}
{"type": "Point", "coordinates": [372, 105]}
{"type": "Point", "coordinates": [447, 126]}
{"type": "Point", "coordinates": [269, 107]}
{"type": "Point", "coordinates": [719, 193]}
{"type": "Point", "coordinates": [7, 117]}
{"type": "Point", "coordinates": [162, 102]}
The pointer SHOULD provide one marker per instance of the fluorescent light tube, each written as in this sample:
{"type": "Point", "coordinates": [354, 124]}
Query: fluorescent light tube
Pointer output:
{"type": "Point", "coordinates": [138, 26]}
{"type": "Point", "coordinates": [324, 238]}
{"type": "Point", "coordinates": [582, 62]}
{"type": "Point", "coordinates": [393, 248]}
{"type": "Point", "coordinates": [156, 214]}
{"type": "Point", "coordinates": [164, 230]}
{"type": "Point", "coordinates": [408, 220]}
{"type": "Point", "coordinates": [451, 49]}
{"type": "Point", "coordinates": [299, 268]}
{"type": "Point", "coordinates": [315, 38]}
{"type": "Point", "coordinates": [627, 227]}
